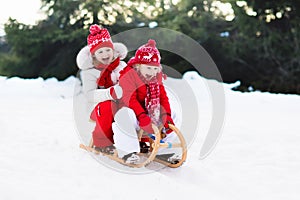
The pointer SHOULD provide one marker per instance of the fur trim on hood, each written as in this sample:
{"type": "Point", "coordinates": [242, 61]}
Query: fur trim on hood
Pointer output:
{"type": "Point", "coordinates": [120, 50]}
{"type": "Point", "coordinates": [84, 57]}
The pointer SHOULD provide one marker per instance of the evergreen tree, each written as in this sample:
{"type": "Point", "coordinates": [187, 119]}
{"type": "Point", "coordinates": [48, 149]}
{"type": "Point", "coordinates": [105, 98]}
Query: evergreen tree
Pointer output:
{"type": "Point", "coordinates": [263, 47]}
{"type": "Point", "coordinates": [49, 49]}
{"type": "Point", "coordinates": [259, 47]}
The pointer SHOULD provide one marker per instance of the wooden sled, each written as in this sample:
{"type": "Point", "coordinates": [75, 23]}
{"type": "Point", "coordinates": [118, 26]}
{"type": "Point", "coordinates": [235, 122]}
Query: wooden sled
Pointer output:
{"type": "Point", "coordinates": [155, 145]}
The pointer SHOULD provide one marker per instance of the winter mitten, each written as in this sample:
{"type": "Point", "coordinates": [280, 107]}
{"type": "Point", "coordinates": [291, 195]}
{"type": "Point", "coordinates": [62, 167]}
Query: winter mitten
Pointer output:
{"type": "Point", "coordinates": [145, 123]}
{"type": "Point", "coordinates": [116, 92]}
{"type": "Point", "coordinates": [166, 120]}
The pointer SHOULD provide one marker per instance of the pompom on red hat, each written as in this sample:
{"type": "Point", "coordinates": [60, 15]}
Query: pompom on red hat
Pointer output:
{"type": "Point", "coordinates": [146, 54]}
{"type": "Point", "coordinates": [98, 37]}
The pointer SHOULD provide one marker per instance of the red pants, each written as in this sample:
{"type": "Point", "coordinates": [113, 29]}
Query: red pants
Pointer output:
{"type": "Point", "coordinates": [103, 114]}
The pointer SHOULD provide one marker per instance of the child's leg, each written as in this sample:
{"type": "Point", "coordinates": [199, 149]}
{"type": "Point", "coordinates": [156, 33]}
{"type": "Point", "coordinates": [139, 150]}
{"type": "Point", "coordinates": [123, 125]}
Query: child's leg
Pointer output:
{"type": "Point", "coordinates": [176, 115]}
{"type": "Point", "coordinates": [125, 132]}
{"type": "Point", "coordinates": [103, 134]}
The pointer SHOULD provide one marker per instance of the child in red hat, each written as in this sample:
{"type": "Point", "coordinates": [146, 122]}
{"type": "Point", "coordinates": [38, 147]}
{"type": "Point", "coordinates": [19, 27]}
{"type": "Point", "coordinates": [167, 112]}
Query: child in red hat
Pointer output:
{"type": "Point", "coordinates": [144, 99]}
{"type": "Point", "coordinates": [101, 63]}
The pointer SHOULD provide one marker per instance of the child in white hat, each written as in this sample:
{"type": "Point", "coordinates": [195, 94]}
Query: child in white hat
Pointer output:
{"type": "Point", "coordinates": [101, 63]}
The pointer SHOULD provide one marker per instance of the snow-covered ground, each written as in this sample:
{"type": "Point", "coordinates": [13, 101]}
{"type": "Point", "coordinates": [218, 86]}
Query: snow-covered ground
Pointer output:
{"type": "Point", "coordinates": [257, 156]}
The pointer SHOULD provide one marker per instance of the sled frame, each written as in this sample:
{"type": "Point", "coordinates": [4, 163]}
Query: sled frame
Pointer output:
{"type": "Point", "coordinates": [155, 145]}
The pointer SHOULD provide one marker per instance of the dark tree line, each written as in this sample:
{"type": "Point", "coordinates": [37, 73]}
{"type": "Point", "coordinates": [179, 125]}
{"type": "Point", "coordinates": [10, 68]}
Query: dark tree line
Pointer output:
{"type": "Point", "coordinates": [258, 46]}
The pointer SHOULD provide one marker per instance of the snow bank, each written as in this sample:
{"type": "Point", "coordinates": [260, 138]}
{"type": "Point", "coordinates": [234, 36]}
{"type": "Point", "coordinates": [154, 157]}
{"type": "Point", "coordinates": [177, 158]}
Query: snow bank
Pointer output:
{"type": "Point", "coordinates": [257, 156]}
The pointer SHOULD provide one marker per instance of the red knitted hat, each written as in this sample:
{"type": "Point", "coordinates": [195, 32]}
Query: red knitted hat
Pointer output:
{"type": "Point", "coordinates": [98, 37]}
{"type": "Point", "coordinates": [146, 54]}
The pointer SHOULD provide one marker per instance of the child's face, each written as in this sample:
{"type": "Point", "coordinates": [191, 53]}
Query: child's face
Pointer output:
{"type": "Point", "coordinates": [149, 71]}
{"type": "Point", "coordinates": [104, 55]}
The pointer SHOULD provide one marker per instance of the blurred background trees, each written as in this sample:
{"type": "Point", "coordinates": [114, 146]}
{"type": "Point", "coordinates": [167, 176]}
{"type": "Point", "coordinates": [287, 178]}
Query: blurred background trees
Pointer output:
{"type": "Point", "coordinates": [255, 42]}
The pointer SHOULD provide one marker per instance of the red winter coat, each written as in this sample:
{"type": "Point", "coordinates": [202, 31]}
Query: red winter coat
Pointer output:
{"type": "Point", "coordinates": [134, 92]}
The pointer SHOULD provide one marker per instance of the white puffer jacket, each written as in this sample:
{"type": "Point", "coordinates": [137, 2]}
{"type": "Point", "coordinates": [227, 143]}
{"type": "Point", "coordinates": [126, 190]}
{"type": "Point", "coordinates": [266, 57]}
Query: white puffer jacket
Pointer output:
{"type": "Point", "coordinates": [89, 74]}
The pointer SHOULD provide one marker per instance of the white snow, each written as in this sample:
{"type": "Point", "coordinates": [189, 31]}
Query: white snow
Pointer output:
{"type": "Point", "coordinates": [257, 156]}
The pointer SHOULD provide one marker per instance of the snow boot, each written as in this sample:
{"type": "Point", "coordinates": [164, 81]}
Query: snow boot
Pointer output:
{"type": "Point", "coordinates": [107, 150]}
{"type": "Point", "coordinates": [170, 157]}
{"type": "Point", "coordinates": [144, 148]}
{"type": "Point", "coordinates": [131, 158]}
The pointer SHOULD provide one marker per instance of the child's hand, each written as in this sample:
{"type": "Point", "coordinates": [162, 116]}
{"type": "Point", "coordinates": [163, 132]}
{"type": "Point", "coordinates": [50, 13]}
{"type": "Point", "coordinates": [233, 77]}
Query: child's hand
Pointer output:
{"type": "Point", "coordinates": [166, 119]}
{"type": "Point", "coordinates": [116, 92]}
{"type": "Point", "coordinates": [145, 123]}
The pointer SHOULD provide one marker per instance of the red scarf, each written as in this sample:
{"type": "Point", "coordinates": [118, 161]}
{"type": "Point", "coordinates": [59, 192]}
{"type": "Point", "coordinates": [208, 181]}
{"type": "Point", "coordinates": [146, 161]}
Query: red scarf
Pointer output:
{"type": "Point", "coordinates": [152, 100]}
{"type": "Point", "coordinates": [104, 81]}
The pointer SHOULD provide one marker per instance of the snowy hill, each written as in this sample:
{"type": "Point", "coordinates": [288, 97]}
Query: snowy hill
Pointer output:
{"type": "Point", "coordinates": [257, 156]}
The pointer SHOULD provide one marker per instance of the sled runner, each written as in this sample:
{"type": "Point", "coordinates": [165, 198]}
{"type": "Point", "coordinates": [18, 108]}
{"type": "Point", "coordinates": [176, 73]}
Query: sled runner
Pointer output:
{"type": "Point", "coordinates": [155, 144]}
